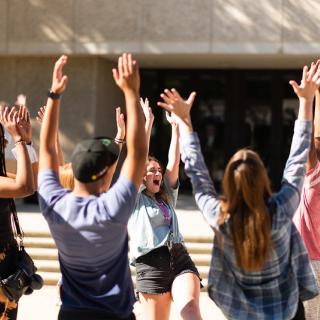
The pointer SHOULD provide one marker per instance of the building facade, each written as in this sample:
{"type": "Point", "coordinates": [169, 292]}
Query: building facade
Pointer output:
{"type": "Point", "coordinates": [237, 54]}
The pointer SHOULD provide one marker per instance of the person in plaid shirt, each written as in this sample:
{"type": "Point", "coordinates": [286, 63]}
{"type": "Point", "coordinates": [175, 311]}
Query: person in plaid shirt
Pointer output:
{"type": "Point", "coordinates": [259, 268]}
{"type": "Point", "coordinates": [307, 217]}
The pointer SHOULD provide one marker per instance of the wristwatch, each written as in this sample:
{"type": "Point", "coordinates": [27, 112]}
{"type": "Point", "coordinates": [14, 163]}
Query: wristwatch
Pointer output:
{"type": "Point", "coordinates": [53, 95]}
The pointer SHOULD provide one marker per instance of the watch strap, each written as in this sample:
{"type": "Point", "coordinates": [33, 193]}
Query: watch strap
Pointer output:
{"type": "Point", "coordinates": [53, 95]}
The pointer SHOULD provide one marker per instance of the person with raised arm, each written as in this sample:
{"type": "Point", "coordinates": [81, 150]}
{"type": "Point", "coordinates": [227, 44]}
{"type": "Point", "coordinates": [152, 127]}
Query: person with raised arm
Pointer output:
{"type": "Point", "coordinates": [307, 217]}
{"type": "Point", "coordinates": [165, 271]}
{"type": "Point", "coordinates": [65, 168]}
{"type": "Point", "coordinates": [15, 186]}
{"type": "Point", "coordinates": [259, 268]}
{"type": "Point", "coordinates": [90, 227]}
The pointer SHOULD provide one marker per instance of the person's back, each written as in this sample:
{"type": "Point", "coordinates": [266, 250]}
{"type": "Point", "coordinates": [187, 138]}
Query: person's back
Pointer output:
{"type": "Point", "coordinates": [89, 228]}
{"type": "Point", "coordinates": [307, 217]}
{"type": "Point", "coordinates": [259, 267]}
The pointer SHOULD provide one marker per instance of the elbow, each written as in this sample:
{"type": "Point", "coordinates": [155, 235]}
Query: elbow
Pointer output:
{"type": "Point", "coordinates": [27, 189]}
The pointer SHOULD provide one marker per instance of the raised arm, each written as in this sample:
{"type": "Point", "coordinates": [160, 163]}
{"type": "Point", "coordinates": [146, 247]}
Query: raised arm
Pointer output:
{"type": "Point", "coordinates": [48, 157]}
{"type": "Point", "coordinates": [119, 140]}
{"type": "Point", "coordinates": [26, 129]}
{"type": "Point", "coordinates": [147, 111]}
{"type": "Point", "coordinates": [314, 153]}
{"type": "Point", "coordinates": [289, 195]}
{"type": "Point", "coordinates": [58, 144]}
{"type": "Point", "coordinates": [195, 168]}
{"type": "Point", "coordinates": [127, 77]}
{"type": "Point", "coordinates": [22, 184]}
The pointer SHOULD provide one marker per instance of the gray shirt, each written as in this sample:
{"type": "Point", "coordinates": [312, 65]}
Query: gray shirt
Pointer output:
{"type": "Point", "coordinates": [91, 237]}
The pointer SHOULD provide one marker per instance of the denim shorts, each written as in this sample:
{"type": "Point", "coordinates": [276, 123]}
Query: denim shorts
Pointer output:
{"type": "Point", "coordinates": [157, 269]}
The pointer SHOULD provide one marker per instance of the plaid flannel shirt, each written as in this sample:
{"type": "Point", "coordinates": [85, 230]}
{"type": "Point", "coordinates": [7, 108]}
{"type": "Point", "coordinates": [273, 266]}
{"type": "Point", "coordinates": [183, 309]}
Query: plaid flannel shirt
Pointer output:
{"type": "Point", "coordinates": [287, 276]}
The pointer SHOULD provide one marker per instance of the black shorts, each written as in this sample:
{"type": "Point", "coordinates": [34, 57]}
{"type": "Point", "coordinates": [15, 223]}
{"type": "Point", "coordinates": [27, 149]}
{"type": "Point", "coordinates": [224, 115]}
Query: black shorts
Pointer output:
{"type": "Point", "coordinates": [157, 269]}
{"type": "Point", "coordinates": [89, 314]}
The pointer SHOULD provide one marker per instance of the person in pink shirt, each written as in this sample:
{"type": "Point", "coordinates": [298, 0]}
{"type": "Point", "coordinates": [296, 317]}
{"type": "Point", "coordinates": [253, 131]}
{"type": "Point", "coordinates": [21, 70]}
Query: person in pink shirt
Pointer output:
{"type": "Point", "coordinates": [307, 217]}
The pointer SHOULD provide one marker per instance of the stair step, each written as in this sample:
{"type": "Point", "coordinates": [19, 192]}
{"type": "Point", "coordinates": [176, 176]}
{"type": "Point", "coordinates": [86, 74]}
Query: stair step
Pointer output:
{"type": "Point", "coordinates": [198, 238]}
{"type": "Point", "coordinates": [47, 265]}
{"type": "Point", "coordinates": [201, 259]}
{"type": "Point", "coordinates": [43, 254]}
{"type": "Point", "coordinates": [38, 242]}
{"type": "Point", "coordinates": [37, 234]}
{"type": "Point", "coordinates": [194, 247]}
{"type": "Point", "coordinates": [50, 278]}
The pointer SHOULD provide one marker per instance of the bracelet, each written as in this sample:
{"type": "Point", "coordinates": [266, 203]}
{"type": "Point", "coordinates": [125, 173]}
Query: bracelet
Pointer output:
{"type": "Point", "coordinates": [53, 95]}
{"type": "Point", "coordinates": [19, 142]}
{"type": "Point", "coordinates": [117, 140]}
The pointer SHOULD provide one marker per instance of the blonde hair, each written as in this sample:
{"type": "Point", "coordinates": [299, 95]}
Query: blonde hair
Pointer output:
{"type": "Point", "coordinates": [66, 176]}
{"type": "Point", "coordinates": [246, 187]}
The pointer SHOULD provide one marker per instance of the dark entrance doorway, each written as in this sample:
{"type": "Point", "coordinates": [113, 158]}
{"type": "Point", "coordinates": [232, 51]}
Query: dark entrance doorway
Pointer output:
{"type": "Point", "coordinates": [233, 109]}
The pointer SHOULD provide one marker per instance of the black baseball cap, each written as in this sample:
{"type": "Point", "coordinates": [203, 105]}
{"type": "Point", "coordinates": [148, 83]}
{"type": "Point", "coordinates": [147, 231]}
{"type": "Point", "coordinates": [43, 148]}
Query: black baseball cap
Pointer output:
{"type": "Point", "coordinates": [92, 157]}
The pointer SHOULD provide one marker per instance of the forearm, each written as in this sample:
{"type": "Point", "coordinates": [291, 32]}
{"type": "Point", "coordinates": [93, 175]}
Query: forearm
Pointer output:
{"type": "Point", "coordinates": [172, 170]}
{"type": "Point", "coordinates": [136, 137]}
{"type": "Point", "coordinates": [48, 154]}
{"type": "Point", "coordinates": [148, 130]}
{"type": "Point", "coordinates": [24, 176]}
{"type": "Point", "coordinates": [202, 185]}
{"type": "Point", "coordinates": [59, 151]}
{"type": "Point", "coordinates": [317, 115]}
{"type": "Point", "coordinates": [35, 169]}
{"type": "Point", "coordinates": [295, 167]}
{"type": "Point", "coordinates": [305, 109]}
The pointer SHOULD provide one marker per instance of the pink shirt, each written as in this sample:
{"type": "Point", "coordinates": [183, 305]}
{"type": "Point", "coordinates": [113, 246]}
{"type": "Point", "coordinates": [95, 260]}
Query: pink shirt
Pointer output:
{"type": "Point", "coordinates": [307, 217]}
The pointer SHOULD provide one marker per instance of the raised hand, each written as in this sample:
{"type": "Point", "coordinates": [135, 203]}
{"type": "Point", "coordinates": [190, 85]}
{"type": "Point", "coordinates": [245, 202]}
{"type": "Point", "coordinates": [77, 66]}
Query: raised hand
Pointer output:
{"type": "Point", "coordinates": [24, 124]}
{"type": "Point", "coordinates": [21, 100]}
{"type": "Point", "coordinates": [59, 81]}
{"type": "Point", "coordinates": [172, 119]}
{"type": "Point", "coordinates": [41, 114]}
{"type": "Point", "coordinates": [121, 126]}
{"type": "Point", "coordinates": [310, 82]}
{"type": "Point", "coordinates": [9, 119]}
{"type": "Point", "coordinates": [147, 111]}
{"type": "Point", "coordinates": [127, 75]}
{"type": "Point", "coordinates": [174, 103]}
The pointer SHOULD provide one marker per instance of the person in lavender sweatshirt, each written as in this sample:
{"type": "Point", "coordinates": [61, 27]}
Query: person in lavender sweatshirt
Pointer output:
{"type": "Point", "coordinates": [259, 268]}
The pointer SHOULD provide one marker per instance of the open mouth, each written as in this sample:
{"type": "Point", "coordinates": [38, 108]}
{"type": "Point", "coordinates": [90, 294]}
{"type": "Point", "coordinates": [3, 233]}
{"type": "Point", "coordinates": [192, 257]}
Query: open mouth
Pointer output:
{"type": "Point", "coordinates": [156, 182]}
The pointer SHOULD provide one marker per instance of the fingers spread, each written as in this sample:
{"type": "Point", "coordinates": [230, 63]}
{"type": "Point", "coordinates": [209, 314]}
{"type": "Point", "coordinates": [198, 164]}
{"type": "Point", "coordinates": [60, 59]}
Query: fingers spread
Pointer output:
{"type": "Point", "coordinates": [176, 94]}
{"type": "Point", "coordinates": [166, 99]}
{"type": "Point", "coordinates": [115, 75]}
{"type": "Point", "coordinates": [191, 98]}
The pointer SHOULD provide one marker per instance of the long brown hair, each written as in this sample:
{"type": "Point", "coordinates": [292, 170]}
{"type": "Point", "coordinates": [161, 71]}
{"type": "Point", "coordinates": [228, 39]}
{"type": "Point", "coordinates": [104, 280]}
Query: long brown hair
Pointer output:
{"type": "Point", "coordinates": [246, 187]}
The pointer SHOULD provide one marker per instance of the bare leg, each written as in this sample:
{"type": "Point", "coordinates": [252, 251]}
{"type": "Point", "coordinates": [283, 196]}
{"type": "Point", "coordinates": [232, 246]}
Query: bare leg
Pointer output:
{"type": "Point", "coordinates": [185, 293]}
{"type": "Point", "coordinates": [155, 306]}
{"type": "Point", "coordinates": [312, 307]}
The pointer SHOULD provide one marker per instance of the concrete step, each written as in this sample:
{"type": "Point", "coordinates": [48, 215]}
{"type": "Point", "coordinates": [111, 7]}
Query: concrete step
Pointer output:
{"type": "Point", "coordinates": [199, 248]}
{"type": "Point", "coordinates": [47, 265]}
{"type": "Point", "coordinates": [201, 259]}
{"type": "Point", "coordinates": [50, 278]}
{"type": "Point", "coordinates": [43, 254]}
{"type": "Point", "coordinates": [39, 242]}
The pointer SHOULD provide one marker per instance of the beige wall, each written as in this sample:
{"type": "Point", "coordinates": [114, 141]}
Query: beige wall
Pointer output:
{"type": "Point", "coordinates": [166, 33]}
{"type": "Point", "coordinates": [87, 106]}
{"type": "Point", "coordinates": [108, 27]}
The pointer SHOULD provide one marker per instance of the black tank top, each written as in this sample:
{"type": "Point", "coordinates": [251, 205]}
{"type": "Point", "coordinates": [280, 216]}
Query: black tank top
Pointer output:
{"type": "Point", "coordinates": [6, 233]}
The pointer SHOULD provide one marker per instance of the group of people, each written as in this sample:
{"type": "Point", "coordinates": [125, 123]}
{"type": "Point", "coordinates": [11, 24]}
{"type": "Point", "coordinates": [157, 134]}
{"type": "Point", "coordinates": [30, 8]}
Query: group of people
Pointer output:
{"type": "Point", "coordinates": [260, 268]}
